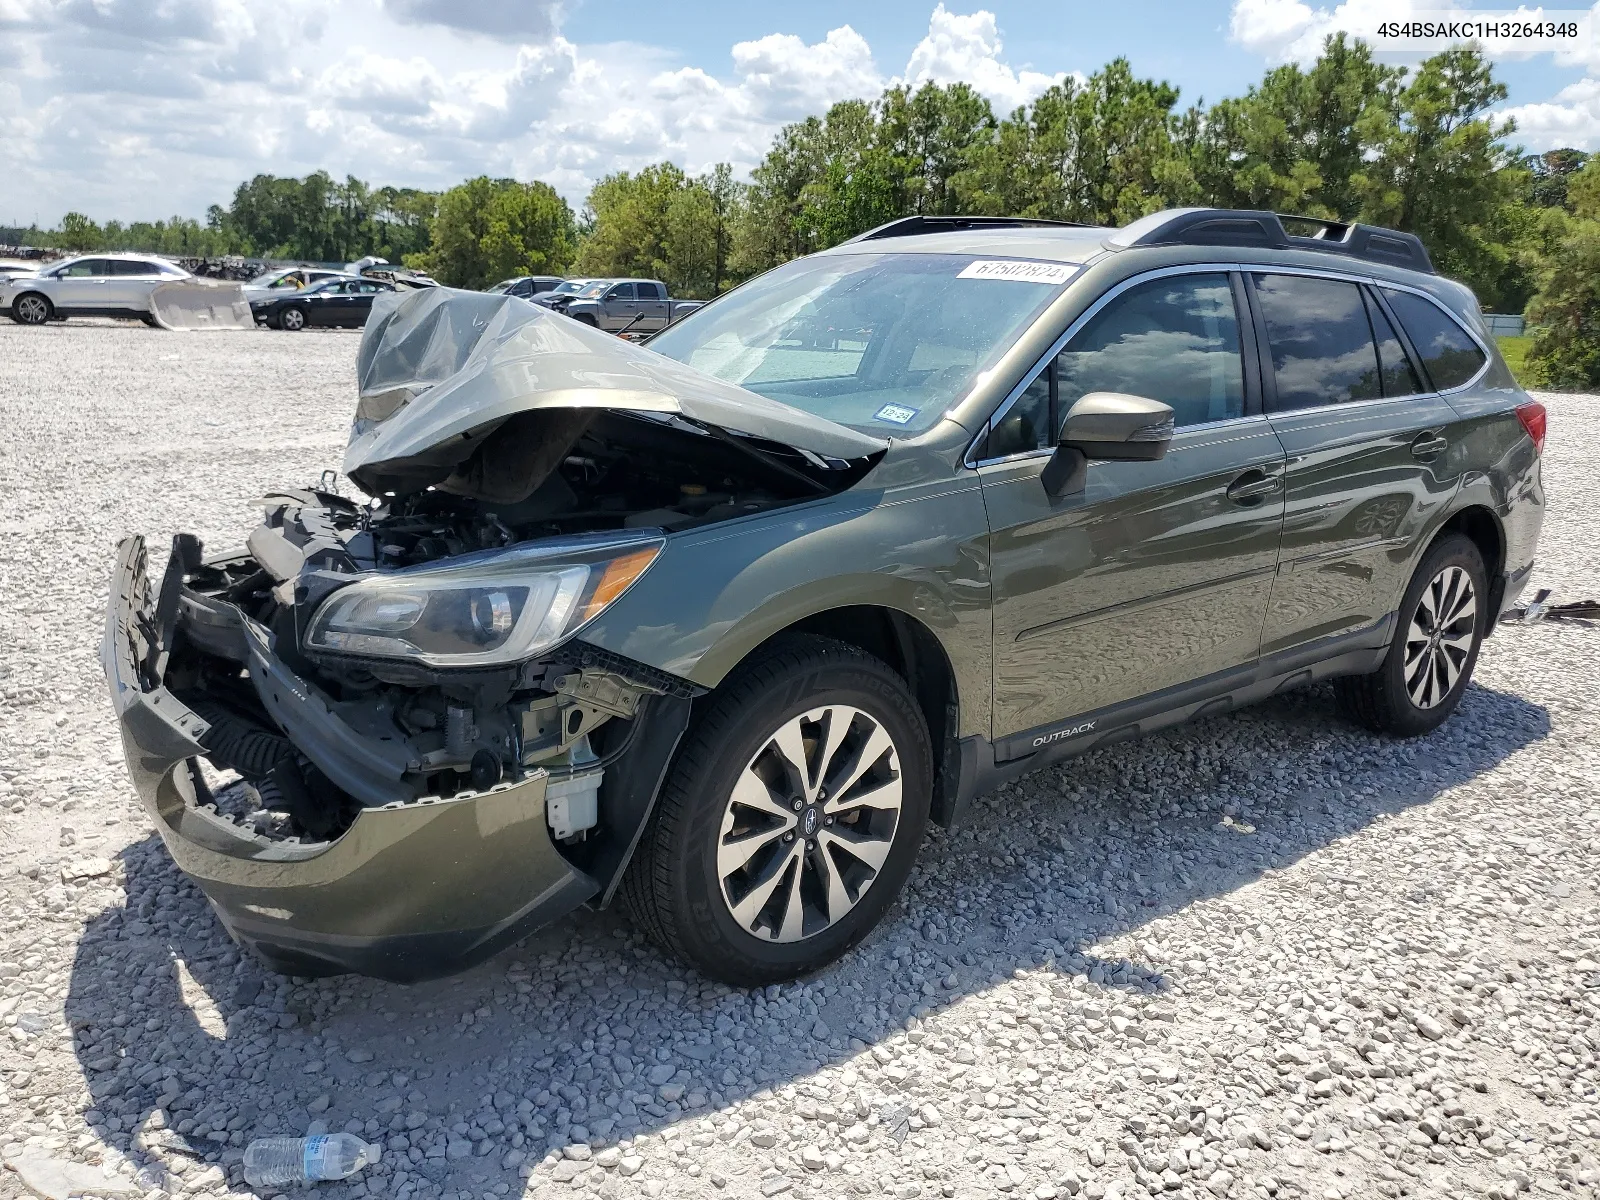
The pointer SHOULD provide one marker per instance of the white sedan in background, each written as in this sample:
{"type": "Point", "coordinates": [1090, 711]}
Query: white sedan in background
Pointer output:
{"type": "Point", "coordinates": [89, 285]}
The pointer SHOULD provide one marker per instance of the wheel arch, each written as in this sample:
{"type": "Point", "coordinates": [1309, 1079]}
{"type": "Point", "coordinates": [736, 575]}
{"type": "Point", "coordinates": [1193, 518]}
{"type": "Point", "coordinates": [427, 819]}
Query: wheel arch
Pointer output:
{"type": "Point", "coordinates": [1481, 526]}
{"type": "Point", "coordinates": [912, 651]}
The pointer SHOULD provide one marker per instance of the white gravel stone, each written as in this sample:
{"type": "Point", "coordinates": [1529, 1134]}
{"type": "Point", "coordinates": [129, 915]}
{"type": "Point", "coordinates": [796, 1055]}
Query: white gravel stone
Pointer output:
{"type": "Point", "coordinates": [1380, 977]}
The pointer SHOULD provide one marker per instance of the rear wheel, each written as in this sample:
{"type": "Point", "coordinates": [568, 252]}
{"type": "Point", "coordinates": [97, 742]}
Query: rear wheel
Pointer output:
{"type": "Point", "coordinates": [1442, 622]}
{"type": "Point", "coordinates": [31, 308]}
{"type": "Point", "coordinates": [791, 817]}
{"type": "Point", "coordinates": [292, 319]}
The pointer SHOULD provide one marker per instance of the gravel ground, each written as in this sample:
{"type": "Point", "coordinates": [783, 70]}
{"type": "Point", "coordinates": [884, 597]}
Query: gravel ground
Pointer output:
{"type": "Point", "coordinates": [1264, 955]}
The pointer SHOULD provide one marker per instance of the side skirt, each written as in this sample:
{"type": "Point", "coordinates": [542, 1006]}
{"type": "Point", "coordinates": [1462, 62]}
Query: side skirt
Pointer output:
{"type": "Point", "coordinates": [984, 765]}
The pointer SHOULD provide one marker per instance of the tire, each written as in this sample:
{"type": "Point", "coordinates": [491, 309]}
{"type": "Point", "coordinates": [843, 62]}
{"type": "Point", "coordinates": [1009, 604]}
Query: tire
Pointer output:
{"type": "Point", "coordinates": [738, 913]}
{"type": "Point", "coordinates": [292, 320]}
{"type": "Point", "coordinates": [586, 319]}
{"type": "Point", "coordinates": [1430, 662]}
{"type": "Point", "coordinates": [32, 308]}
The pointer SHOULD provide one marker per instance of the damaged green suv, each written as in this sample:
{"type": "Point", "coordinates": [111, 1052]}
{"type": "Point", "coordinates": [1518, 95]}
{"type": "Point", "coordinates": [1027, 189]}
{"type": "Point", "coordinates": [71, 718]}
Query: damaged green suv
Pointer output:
{"type": "Point", "coordinates": [714, 626]}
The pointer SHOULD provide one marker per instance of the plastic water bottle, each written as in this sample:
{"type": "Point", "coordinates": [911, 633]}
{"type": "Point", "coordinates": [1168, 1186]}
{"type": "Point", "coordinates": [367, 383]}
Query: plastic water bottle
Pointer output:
{"type": "Point", "coordinates": [279, 1160]}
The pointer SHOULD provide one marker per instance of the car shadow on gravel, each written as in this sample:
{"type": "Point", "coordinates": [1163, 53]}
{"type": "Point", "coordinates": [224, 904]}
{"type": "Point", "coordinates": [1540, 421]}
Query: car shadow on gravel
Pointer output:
{"type": "Point", "coordinates": [585, 1032]}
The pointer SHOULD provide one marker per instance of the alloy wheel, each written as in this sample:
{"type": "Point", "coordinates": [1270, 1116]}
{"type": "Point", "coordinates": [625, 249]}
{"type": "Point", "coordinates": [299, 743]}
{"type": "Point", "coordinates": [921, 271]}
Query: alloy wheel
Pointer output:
{"type": "Point", "coordinates": [293, 319]}
{"type": "Point", "coordinates": [1440, 637]}
{"type": "Point", "coordinates": [33, 310]}
{"type": "Point", "coordinates": [809, 823]}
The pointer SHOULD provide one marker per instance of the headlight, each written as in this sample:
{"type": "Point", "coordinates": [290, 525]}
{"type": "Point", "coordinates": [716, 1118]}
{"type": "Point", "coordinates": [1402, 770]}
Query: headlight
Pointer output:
{"type": "Point", "coordinates": [498, 607]}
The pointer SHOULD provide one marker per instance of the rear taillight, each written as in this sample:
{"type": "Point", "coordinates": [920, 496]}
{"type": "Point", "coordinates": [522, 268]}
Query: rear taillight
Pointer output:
{"type": "Point", "coordinates": [1532, 416]}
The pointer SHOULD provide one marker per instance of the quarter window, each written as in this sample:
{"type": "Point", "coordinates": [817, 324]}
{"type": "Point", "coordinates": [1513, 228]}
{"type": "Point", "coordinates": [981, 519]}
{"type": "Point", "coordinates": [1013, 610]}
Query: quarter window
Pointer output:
{"type": "Point", "coordinates": [1322, 346]}
{"type": "Point", "coordinates": [1399, 377]}
{"type": "Point", "coordinates": [1450, 356]}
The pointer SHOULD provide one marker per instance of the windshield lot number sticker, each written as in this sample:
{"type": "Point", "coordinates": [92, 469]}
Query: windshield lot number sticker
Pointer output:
{"type": "Point", "coordinates": [1018, 272]}
{"type": "Point", "coordinates": [896, 414]}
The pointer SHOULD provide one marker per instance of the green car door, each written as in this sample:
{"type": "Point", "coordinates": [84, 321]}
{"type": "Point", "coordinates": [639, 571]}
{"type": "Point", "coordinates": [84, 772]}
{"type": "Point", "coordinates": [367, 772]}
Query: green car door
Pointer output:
{"type": "Point", "coordinates": [1154, 574]}
{"type": "Point", "coordinates": [1368, 442]}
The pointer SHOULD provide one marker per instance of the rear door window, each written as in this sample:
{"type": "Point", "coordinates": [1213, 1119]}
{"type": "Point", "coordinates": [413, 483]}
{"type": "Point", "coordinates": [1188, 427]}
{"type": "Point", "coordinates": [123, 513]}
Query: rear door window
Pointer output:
{"type": "Point", "coordinates": [1323, 351]}
{"type": "Point", "coordinates": [1449, 355]}
{"type": "Point", "coordinates": [650, 291]}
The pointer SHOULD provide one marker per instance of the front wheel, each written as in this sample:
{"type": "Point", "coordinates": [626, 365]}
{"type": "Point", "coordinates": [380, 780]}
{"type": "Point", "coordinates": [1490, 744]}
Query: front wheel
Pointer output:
{"type": "Point", "coordinates": [791, 817]}
{"type": "Point", "coordinates": [292, 319]}
{"type": "Point", "coordinates": [1442, 622]}
{"type": "Point", "coordinates": [30, 308]}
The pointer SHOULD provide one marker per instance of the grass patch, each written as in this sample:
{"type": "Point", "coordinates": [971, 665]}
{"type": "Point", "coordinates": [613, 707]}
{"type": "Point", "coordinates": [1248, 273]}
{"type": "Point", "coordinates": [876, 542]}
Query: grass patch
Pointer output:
{"type": "Point", "coordinates": [1515, 351]}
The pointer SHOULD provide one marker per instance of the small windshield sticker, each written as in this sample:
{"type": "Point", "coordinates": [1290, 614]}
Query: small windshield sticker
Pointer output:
{"type": "Point", "coordinates": [1018, 272]}
{"type": "Point", "coordinates": [896, 414]}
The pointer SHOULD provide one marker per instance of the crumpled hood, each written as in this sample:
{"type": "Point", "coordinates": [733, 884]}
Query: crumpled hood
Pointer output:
{"type": "Point", "coordinates": [439, 370]}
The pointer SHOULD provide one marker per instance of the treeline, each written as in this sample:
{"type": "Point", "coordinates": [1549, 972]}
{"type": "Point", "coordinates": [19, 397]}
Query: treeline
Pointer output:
{"type": "Point", "coordinates": [1346, 138]}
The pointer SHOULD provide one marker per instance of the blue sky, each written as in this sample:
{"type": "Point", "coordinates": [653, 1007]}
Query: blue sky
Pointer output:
{"type": "Point", "coordinates": [139, 108]}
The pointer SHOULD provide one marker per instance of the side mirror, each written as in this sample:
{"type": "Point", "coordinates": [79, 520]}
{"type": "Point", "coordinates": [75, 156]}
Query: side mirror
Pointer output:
{"type": "Point", "coordinates": [1110, 427]}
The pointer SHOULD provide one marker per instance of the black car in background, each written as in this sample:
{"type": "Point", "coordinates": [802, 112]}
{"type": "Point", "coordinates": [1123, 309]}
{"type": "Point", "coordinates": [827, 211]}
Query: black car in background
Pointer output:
{"type": "Point", "coordinates": [333, 302]}
{"type": "Point", "coordinates": [527, 286]}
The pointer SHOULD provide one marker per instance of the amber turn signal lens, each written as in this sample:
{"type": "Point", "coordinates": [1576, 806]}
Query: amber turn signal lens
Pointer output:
{"type": "Point", "coordinates": [616, 578]}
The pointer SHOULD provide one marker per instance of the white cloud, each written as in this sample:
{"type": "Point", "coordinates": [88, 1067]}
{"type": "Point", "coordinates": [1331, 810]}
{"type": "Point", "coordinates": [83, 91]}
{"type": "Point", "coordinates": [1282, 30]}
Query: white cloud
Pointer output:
{"type": "Point", "coordinates": [966, 49]}
{"type": "Point", "coordinates": [1570, 118]}
{"type": "Point", "coordinates": [134, 108]}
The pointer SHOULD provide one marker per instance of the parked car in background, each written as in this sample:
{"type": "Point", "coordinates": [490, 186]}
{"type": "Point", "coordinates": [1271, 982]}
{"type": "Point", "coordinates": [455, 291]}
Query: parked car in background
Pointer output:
{"type": "Point", "coordinates": [562, 292]}
{"type": "Point", "coordinates": [527, 286]}
{"type": "Point", "coordinates": [340, 302]}
{"type": "Point", "coordinates": [625, 305]}
{"type": "Point", "coordinates": [88, 285]}
{"type": "Point", "coordinates": [9, 270]}
{"type": "Point", "coordinates": [282, 280]}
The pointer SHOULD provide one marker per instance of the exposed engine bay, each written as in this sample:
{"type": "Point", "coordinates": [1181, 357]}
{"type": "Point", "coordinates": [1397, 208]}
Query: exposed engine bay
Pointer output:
{"type": "Point", "coordinates": [596, 487]}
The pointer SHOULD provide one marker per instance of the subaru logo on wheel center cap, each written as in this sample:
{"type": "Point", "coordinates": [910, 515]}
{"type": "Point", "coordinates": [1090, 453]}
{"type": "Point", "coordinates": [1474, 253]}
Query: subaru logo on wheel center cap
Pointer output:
{"type": "Point", "coordinates": [809, 822]}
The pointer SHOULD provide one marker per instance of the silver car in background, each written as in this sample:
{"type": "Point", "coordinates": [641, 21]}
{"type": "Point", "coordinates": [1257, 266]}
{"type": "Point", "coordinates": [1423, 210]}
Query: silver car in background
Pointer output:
{"type": "Point", "coordinates": [88, 285]}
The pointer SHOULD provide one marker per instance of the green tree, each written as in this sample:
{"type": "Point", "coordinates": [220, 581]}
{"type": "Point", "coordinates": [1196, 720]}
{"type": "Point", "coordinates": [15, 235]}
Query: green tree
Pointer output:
{"type": "Point", "coordinates": [490, 229]}
{"type": "Point", "coordinates": [1103, 152]}
{"type": "Point", "coordinates": [1551, 172]}
{"type": "Point", "coordinates": [78, 232]}
{"type": "Point", "coordinates": [1443, 171]}
{"type": "Point", "coordinates": [1565, 315]}
{"type": "Point", "coordinates": [1298, 141]}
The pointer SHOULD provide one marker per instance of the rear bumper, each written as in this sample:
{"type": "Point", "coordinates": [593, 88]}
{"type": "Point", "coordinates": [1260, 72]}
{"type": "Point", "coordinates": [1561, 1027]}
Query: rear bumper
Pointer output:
{"type": "Point", "coordinates": [412, 890]}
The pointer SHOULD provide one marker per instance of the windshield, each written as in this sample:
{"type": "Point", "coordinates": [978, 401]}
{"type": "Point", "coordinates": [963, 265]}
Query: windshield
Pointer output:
{"type": "Point", "coordinates": [876, 340]}
{"type": "Point", "coordinates": [568, 286]}
{"type": "Point", "coordinates": [502, 285]}
{"type": "Point", "coordinates": [590, 291]}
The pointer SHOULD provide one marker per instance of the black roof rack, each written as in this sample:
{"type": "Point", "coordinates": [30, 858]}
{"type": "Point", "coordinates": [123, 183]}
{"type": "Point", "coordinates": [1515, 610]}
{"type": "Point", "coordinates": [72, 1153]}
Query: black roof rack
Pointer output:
{"type": "Point", "coordinates": [1258, 229]}
{"type": "Point", "coordinates": [907, 226]}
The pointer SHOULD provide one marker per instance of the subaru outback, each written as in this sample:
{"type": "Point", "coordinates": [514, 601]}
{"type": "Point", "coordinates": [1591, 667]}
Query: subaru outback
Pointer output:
{"type": "Point", "coordinates": [712, 627]}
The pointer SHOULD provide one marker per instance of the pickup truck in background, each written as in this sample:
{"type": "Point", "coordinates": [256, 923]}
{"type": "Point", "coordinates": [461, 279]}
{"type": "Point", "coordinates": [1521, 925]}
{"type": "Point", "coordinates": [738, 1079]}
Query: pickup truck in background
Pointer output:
{"type": "Point", "coordinates": [623, 305]}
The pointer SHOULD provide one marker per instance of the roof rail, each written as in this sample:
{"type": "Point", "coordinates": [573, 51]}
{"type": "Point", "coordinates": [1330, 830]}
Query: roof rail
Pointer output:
{"type": "Point", "coordinates": [908, 226]}
{"type": "Point", "coordinates": [1259, 229]}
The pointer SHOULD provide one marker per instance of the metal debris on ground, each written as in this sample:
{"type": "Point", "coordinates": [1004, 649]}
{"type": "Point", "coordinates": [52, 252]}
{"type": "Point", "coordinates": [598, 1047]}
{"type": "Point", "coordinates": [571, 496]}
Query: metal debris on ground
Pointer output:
{"type": "Point", "coordinates": [1540, 609]}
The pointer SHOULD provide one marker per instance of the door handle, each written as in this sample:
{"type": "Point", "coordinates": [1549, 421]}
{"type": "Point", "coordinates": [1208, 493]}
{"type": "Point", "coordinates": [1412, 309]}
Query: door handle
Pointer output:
{"type": "Point", "coordinates": [1429, 444]}
{"type": "Point", "coordinates": [1253, 485]}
